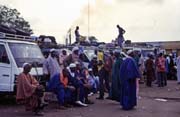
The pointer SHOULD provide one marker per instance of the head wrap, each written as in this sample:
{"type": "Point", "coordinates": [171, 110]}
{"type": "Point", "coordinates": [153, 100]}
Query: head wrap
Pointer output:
{"type": "Point", "coordinates": [25, 64]}
{"type": "Point", "coordinates": [72, 65]}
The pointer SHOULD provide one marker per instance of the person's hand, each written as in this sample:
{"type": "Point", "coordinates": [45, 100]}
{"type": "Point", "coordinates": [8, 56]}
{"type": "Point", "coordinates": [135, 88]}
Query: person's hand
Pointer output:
{"type": "Point", "coordinates": [40, 87]}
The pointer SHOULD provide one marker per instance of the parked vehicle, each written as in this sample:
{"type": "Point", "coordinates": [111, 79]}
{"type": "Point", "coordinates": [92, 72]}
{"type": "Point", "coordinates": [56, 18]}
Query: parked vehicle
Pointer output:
{"type": "Point", "coordinates": [15, 50]}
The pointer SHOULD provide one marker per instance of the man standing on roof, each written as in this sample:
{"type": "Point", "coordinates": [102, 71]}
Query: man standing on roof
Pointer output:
{"type": "Point", "coordinates": [77, 35]}
{"type": "Point", "coordinates": [120, 38]}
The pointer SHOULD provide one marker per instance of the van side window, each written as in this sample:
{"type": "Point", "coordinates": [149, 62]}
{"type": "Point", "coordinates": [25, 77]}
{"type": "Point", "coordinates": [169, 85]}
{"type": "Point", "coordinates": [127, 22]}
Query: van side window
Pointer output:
{"type": "Point", "coordinates": [3, 55]}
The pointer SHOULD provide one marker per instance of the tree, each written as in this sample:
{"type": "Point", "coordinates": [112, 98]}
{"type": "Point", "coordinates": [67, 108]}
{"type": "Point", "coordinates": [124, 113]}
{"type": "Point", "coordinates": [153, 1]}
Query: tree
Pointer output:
{"type": "Point", "coordinates": [11, 18]}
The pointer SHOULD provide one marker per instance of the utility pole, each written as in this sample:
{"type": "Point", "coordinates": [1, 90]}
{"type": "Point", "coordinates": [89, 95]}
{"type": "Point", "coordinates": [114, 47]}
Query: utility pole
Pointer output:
{"type": "Point", "coordinates": [88, 19]}
{"type": "Point", "coordinates": [70, 36]}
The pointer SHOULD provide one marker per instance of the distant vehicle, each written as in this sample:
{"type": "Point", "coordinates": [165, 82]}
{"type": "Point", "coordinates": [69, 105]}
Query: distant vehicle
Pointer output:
{"type": "Point", "coordinates": [15, 50]}
{"type": "Point", "coordinates": [47, 42]}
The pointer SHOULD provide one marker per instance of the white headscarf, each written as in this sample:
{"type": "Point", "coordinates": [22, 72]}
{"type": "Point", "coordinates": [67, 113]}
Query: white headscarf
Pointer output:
{"type": "Point", "coordinates": [129, 52]}
{"type": "Point", "coordinates": [25, 64]}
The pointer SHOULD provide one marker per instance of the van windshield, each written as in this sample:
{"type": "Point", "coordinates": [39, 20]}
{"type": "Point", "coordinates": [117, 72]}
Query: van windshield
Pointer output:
{"type": "Point", "coordinates": [89, 53]}
{"type": "Point", "coordinates": [23, 52]}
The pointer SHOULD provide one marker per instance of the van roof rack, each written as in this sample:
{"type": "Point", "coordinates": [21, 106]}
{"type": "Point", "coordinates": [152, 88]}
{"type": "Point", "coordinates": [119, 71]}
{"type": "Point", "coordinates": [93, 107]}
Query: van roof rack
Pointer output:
{"type": "Point", "coordinates": [15, 37]}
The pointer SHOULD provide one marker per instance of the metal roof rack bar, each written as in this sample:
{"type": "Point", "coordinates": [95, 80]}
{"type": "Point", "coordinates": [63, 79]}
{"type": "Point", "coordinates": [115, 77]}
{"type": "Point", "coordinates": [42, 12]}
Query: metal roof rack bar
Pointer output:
{"type": "Point", "coordinates": [15, 37]}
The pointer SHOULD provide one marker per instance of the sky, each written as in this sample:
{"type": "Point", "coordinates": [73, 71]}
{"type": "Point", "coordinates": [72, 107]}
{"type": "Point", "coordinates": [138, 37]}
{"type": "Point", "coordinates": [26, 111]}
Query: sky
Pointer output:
{"type": "Point", "coordinates": [143, 20]}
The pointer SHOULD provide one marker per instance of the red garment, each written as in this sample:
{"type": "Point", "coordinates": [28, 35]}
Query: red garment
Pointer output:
{"type": "Point", "coordinates": [108, 64]}
{"type": "Point", "coordinates": [26, 87]}
{"type": "Point", "coordinates": [150, 69]}
{"type": "Point", "coordinates": [161, 64]}
{"type": "Point", "coordinates": [64, 80]}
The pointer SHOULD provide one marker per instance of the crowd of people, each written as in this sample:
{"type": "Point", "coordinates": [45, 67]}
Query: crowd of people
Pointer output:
{"type": "Point", "coordinates": [159, 68]}
{"type": "Point", "coordinates": [72, 82]}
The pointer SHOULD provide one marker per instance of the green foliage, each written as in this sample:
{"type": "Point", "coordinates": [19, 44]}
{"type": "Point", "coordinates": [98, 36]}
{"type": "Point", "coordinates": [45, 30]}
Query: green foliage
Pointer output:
{"type": "Point", "coordinates": [11, 18]}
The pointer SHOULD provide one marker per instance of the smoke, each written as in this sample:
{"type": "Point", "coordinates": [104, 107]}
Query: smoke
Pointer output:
{"type": "Point", "coordinates": [143, 20]}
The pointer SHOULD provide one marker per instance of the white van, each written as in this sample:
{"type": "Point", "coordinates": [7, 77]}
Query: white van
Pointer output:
{"type": "Point", "coordinates": [15, 50]}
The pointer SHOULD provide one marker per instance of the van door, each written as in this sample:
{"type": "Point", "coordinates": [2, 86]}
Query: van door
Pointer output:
{"type": "Point", "coordinates": [5, 69]}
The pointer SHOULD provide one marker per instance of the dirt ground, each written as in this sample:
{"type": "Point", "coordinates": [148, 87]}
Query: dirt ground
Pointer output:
{"type": "Point", "coordinates": [152, 102]}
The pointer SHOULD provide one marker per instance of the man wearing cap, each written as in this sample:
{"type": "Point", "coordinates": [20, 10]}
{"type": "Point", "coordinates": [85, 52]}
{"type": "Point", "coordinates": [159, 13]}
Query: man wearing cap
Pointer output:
{"type": "Point", "coordinates": [29, 91]}
{"type": "Point", "coordinates": [52, 66]}
{"type": "Point", "coordinates": [129, 78]}
{"type": "Point", "coordinates": [77, 83]}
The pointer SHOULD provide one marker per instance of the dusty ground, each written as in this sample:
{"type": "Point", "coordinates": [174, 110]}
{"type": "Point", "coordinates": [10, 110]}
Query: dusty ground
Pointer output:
{"type": "Point", "coordinates": [147, 106]}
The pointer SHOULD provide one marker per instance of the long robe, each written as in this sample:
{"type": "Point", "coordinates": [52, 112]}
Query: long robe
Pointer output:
{"type": "Point", "coordinates": [115, 86]}
{"type": "Point", "coordinates": [149, 71]}
{"type": "Point", "coordinates": [128, 74]}
{"type": "Point", "coordinates": [26, 88]}
{"type": "Point", "coordinates": [178, 69]}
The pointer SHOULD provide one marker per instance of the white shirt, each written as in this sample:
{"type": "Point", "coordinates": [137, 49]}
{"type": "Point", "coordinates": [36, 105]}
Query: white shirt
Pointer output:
{"type": "Point", "coordinates": [51, 66]}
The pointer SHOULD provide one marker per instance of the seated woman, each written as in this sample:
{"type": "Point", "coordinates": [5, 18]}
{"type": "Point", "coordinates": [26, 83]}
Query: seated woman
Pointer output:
{"type": "Point", "coordinates": [29, 92]}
